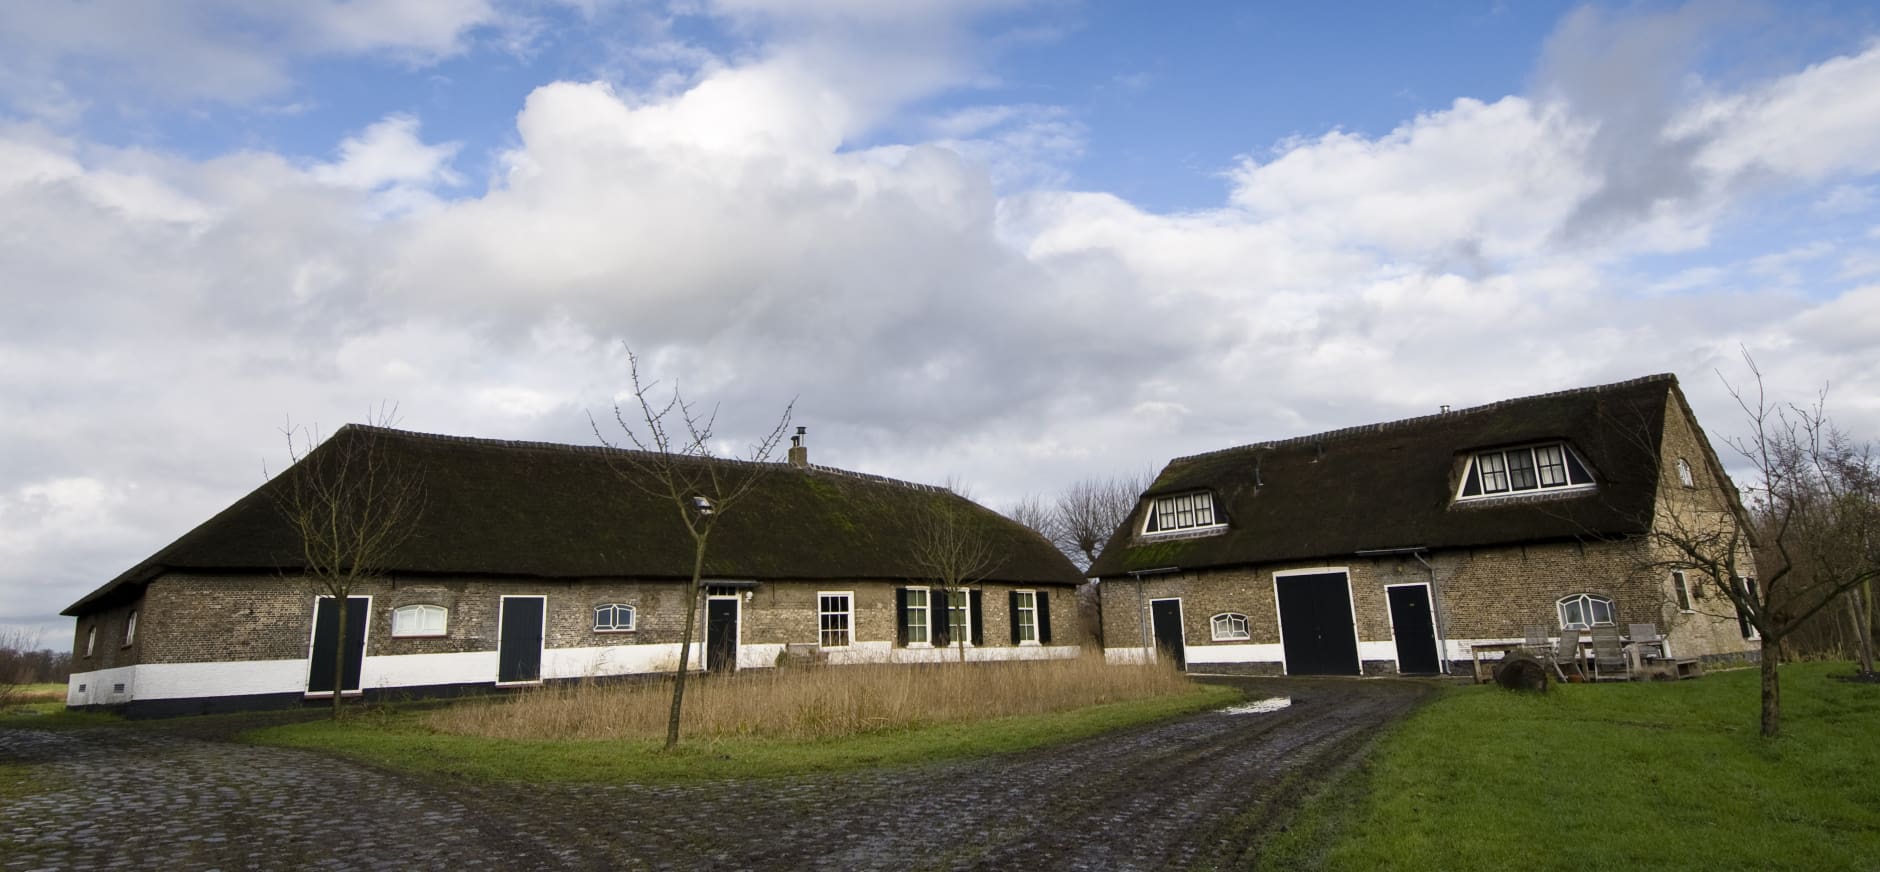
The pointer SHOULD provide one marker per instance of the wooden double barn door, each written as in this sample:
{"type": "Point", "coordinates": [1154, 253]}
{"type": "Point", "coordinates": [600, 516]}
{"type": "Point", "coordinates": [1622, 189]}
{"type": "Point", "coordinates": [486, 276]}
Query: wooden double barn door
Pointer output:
{"type": "Point", "coordinates": [1316, 624]}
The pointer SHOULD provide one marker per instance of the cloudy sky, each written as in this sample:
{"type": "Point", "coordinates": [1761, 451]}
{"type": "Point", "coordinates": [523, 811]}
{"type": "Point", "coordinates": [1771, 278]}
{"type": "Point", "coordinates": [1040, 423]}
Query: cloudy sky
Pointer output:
{"type": "Point", "coordinates": [1011, 243]}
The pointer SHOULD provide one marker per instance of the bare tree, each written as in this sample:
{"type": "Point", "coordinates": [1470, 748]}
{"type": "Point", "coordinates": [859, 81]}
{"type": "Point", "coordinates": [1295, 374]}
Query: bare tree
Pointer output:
{"type": "Point", "coordinates": [351, 505]}
{"type": "Point", "coordinates": [1088, 512]}
{"type": "Point", "coordinates": [953, 545]}
{"type": "Point", "coordinates": [672, 461]}
{"type": "Point", "coordinates": [1032, 512]}
{"type": "Point", "coordinates": [1811, 501]}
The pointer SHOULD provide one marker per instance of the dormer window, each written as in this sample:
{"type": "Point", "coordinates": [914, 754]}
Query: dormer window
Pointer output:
{"type": "Point", "coordinates": [1181, 512]}
{"type": "Point", "coordinates": [1529, 468]}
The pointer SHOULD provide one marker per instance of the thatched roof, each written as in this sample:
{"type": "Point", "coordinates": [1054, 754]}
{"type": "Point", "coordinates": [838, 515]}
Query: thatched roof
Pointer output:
{"type": "Point", "coordinates": [540, 510]}
{"type": "Point", "coordinates": [1392, 485]}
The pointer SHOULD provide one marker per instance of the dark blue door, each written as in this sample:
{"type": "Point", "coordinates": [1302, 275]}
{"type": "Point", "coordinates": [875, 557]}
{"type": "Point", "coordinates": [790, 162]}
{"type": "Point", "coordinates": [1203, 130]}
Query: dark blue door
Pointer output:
{"type": "Point", "coordinates": [519, 654]}
{"type": "Point", "coordinates": [1410, 620]}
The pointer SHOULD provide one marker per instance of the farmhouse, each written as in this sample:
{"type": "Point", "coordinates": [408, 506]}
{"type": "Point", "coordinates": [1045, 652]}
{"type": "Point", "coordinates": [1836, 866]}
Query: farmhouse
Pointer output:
{"type": "Point", "coordinates": [1397, 547]}
{"type": "Point", "coordinates": [534, 562]}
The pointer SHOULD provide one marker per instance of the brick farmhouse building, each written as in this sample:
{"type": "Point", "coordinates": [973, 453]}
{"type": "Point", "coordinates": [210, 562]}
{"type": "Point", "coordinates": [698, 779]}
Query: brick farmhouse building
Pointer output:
{"type": "Point", "coordinates": [534, 562]}
{"type": "Point", "coordinates": [1395, 547]}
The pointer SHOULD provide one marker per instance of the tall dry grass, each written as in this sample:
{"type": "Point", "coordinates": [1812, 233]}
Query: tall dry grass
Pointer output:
{"type": "Point", "coordinates": [811, 702]}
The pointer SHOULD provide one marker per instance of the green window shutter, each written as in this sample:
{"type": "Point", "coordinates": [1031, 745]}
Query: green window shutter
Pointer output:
{"type": "Point", "coordinates": [1044, 618]}
{"type": "Point", "coordinates": [1011, 602]}
{"type": "Point", "coordinates": [979, 628]}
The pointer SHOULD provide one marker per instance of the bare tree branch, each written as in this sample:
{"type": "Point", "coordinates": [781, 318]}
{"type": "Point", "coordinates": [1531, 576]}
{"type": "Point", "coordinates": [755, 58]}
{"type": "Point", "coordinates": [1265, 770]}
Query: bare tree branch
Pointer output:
{"type": "Point", "coordinates": [351, 506]}
{"type": "Point", "coordinates": [671, 460]}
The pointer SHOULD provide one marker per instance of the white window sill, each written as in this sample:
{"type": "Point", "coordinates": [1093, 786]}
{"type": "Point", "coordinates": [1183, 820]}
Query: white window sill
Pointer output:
{"type": "Point", "coordinates": [616, 632]}
{"type": "Point", "coordinates": [444, 635]}
{"type": "Point", "coordinates": [327, 694]}
{"type": "Point", "coordinates": [1231, 639]}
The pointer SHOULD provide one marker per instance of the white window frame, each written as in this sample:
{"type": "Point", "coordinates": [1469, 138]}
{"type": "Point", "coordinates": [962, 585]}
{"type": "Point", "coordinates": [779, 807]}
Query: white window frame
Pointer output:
{"type": "Point", "coordinates": [130, 629]}
{"type": "Point", "coordinates": [1229, 619]}
{"type": "Point", "coordinates": [1585, 603]}
{"type": "Point", "coordinates": [1681, 591]}
{"type": "Point", "coordinates": [632, 612]}
{"type": "Point", "coordinates": [1191, 505]}
{"type": "Point", "coordinates": [965, 608]}
{"type": "Point", "coordinates": [847, 615]}
{"type": "Point", "coordinates": [1495, 463]}
{"type": "Point", "coordinates": [420, 613]}
{"type": "Point", "coordinates": [1685, 476]}
{"type": "Point", "coordinates": [1028, 608]}
{"type": "Point", "coordinates": [925, 624]}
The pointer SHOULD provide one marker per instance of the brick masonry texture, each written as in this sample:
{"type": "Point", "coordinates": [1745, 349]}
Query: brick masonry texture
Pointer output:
{"type": "Point", "coordinates": [208, 618]}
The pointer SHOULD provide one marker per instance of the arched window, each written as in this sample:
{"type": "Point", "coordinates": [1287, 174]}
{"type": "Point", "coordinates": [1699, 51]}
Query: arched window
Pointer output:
{"type": "Point", "coordinates": [1230, 627]}
{"type": "Point", "coordinates": [1684, 473]}
{"type": "Point", "coordinates": [419, 620]}
{"type": "Point", "coordinates": [613, 618]}
{"type": "Point", "coordinates": [1584, 610]}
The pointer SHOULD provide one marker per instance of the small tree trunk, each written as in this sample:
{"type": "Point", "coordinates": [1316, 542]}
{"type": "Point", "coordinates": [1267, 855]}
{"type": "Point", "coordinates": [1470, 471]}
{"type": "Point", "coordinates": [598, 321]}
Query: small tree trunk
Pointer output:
{"type": "Point", "coordinates": [339, 653]}
{"type": "Point", "coordinates": [685, 645]}
{"type": "Point", "coordinates": [1863, 626]}
{"type": "Point", "coordinates": [1771, 688]}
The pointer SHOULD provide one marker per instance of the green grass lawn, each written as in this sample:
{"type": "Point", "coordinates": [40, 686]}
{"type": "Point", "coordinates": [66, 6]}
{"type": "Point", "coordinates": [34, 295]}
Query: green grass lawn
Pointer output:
{"type": "Point", "coordinates": [1632, 776]}
{"type": "Point", "coordinates": [397, 740]}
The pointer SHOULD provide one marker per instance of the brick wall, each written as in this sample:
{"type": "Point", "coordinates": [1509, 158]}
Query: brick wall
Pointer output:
{"type": "Point", "coordinates": [204, 618]}
{"type": "Point", "coordinates": [1710, 626]}
{"type": "Point", "coordinates": [1482, 593]}
{"type": "Point", "coordinates": [108, 649]}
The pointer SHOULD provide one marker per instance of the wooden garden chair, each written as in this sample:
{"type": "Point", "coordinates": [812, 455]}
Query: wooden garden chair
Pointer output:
{"type": "Point", "coordinates": [1609, 660]}
{"type": "Point", "coordinates": [1566, 652]}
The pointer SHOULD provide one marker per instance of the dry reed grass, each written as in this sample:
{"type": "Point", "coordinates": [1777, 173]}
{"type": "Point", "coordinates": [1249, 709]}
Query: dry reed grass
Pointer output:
{"type": "Point", "coordinates": [807, 703]}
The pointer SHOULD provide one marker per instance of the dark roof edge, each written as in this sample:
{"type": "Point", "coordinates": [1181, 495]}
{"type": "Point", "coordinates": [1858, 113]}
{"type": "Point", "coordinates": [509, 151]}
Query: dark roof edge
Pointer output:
{"type": "Point", "coordinates": [1667, 378]}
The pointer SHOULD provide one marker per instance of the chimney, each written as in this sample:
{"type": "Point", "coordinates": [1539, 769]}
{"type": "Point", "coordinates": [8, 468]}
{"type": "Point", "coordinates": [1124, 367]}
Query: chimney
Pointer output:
{"type": "Point", "coordinates": [799, 453]}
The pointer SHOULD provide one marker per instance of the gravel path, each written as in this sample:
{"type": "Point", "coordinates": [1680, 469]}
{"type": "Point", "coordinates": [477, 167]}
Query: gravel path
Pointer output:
{"type": "Point", "coordinates": [1163, 796]}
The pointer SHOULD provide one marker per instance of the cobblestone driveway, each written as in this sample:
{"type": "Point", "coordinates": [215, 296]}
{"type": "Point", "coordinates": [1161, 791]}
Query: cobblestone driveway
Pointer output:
{"type": "Point", "coordinates": [1151, 798]}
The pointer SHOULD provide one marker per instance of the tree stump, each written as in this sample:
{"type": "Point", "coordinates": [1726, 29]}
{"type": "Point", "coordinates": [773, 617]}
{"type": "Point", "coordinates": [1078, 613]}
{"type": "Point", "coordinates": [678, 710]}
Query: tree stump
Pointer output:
{"type": "Point", "coordinates": [1522, 672]}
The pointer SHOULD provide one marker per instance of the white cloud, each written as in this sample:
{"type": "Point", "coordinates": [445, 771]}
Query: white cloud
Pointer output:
{"type": "Point", "coordinates": [215, 50]}
{"type": "Point", "coordinates": [390, 153]}
{"type": "Point", "coordinates": [933, 318]}
{"type": "Point", "coordinates": [1821, 121]}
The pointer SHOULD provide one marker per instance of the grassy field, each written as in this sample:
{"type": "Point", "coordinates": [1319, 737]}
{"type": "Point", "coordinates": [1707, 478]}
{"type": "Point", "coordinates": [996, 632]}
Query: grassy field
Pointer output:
{"type": "Point", "coordinates": [761, 725]}
{"type": "Point", "coordinates": [1652, 776]}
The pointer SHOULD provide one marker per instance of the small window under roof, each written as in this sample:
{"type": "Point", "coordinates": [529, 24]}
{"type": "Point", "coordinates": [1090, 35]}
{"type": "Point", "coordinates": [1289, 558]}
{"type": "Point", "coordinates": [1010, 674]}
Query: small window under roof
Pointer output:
{"type": "Point", "coordinates": [1548, 466]}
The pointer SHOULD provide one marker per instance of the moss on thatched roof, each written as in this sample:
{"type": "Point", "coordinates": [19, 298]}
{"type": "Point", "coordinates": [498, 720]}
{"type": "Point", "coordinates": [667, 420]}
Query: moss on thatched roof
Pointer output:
{"type": "Point", "coordinates": [1392, 485]}
{"type": "Point", "coordinates": [541, 510]}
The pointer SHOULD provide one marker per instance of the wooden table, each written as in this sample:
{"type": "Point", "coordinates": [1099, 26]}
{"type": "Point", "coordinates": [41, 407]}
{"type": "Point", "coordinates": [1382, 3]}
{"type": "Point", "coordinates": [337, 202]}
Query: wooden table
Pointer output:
{"type": "Point", "coordinates": [1475, 653]}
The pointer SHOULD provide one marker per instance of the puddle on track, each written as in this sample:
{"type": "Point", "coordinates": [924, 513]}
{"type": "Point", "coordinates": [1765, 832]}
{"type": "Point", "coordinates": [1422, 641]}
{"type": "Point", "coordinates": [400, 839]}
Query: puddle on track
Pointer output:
{"type": "Point", "coordinates": [1259, 707]}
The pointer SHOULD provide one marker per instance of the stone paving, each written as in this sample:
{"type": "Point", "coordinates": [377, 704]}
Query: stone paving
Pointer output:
{"type": "Point", "coordinates": [1162, 796]}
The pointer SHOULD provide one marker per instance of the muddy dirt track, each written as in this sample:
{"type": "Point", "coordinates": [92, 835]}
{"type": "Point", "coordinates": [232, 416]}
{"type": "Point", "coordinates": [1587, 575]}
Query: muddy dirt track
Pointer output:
{"type": "Point", "coordinates": [1171, 795]}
